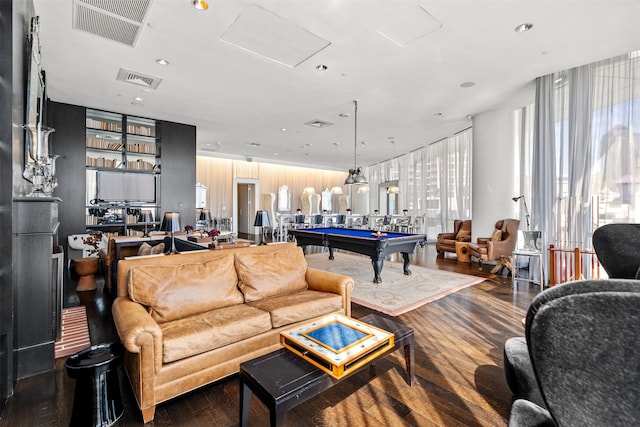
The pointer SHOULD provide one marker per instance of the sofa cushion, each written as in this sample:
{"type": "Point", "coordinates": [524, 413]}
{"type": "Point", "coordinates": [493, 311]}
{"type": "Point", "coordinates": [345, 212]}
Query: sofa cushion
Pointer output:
{"type": "Point", "coordinates": [303, 305]}
{"type": "Point", "coordinates": [175, 291]}
{"type": "Point", "coordinates": [497, 236]}
{"type": "Point", "coordinates": [262, 275]}
{"type": "Point", "coordinates": [215, 328]}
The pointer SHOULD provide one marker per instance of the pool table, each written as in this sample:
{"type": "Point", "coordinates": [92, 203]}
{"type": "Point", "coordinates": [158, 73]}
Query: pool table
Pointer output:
{"type": "Point", "coordinates": [365, 242]}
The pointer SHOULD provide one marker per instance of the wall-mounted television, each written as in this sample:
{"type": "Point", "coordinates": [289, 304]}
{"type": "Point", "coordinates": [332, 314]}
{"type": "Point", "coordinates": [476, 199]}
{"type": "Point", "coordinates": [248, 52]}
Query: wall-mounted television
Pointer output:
{"type": "Point", "coordinates": [125, 187]}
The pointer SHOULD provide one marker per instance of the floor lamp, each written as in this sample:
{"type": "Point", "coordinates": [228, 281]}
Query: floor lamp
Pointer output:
{"type": "Point", "coordinates": [262, 221]}
{"type": "Point", "coordinates": [171, 224]}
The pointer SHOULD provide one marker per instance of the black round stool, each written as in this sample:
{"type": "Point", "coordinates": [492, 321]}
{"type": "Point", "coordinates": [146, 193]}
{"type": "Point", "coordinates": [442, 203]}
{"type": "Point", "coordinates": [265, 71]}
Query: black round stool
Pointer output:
{"type": "Point", "coordinates": [97, 400]}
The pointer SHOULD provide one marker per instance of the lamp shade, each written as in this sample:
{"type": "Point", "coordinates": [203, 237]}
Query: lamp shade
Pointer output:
{"type": "Point", "coordinates": [205, 215]}
{"type": "Point", "coordinates": [171, 222]}
{"type": "Point", "coordinates": [146, 216]}
{"type": "Point", "coordinates": [262, 219]}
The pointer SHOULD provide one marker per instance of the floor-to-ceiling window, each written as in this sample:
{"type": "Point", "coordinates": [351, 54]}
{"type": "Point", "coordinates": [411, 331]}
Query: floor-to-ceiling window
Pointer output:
{"type": "Point", "coordinates": [587, 125]}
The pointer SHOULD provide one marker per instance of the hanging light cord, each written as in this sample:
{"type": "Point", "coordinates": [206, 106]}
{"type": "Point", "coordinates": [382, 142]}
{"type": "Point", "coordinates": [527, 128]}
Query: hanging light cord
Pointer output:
{"type": "Point", "coordinates": [355, 138]}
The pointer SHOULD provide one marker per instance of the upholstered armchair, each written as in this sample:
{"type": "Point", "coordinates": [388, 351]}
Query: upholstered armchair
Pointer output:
{"type": "Point", "coordinates": [578, 365]}
{"type": "Point", "coordinates": [499, 246]}
{"type": "Point", "coordinates": [618, 249]}
{"type": "Point", "coordinates": [446, 242]}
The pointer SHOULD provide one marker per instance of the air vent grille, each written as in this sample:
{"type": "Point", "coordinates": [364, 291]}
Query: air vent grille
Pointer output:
{"type": "Point", "coordinates": [117, 20]}
{"type": "Point", "coordinates": [318, 123]}
{"type": "Point", "coordinates": [134, 10]}
{"type": "Point", "coordinates": [137, 78]}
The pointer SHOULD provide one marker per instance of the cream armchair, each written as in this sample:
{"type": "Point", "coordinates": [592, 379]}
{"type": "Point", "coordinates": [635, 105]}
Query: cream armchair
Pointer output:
{"type": "Point", "coordinates": [499, 246]}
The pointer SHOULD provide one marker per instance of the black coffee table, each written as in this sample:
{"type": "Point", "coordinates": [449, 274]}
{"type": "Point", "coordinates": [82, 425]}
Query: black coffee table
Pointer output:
{"type": "Point", "coordinates": [282, 380]}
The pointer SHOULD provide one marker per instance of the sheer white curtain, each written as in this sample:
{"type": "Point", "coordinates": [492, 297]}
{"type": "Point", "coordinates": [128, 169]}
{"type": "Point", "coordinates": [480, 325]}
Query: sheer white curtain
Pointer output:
{"type": "Point", "coordinates": [434, 181]}
{"type": "Point", "coordinates": [448, 180]}
{"type": "Point", "coordinates": [586, 154]}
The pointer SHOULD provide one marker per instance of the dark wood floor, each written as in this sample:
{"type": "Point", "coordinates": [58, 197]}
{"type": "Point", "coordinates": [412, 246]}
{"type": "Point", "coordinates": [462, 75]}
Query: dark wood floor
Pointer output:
{"type": "Point", "coordinates": [459, 376]}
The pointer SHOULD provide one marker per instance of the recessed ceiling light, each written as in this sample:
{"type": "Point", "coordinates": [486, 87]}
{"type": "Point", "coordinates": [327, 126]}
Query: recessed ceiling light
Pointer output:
{"type": "Point", "coordinates": [468, 84]}
{"type": "Point", "coordinates": [137, 98]}
{"type": "Point", "coordinates": [162, 61]}
{"type": "Point", "coordinates": [336, 143]}
{"type": "Point", "coordinates": [254, 144]}
{"type": "Point", "coordinates": [523, 28]}
{"type": "Point", "coordinates": [437, 114]}
{"type": "Point", "coordinates": [344, 115]}
{"type": "Point", "coordinates": [321, 67]}
{"type": "Point", "coordinates": [200, 4]}
{"type": "Point", "coordinates": [283, 129]}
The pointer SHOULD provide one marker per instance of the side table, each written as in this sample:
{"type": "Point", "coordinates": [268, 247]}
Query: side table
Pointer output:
{"type": "Point", "coordinates": [97, 400]}
{"type": "Point", "coordinates": [462, 252]}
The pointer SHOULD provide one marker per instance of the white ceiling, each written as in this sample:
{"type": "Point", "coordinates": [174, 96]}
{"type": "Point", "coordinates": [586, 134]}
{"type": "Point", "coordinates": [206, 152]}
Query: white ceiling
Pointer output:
{"type": "Point", "coordinates": [408, 93]}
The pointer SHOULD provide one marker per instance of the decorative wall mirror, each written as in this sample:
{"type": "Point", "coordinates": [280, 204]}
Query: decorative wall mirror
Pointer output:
{"type": "Point", "coordinates": [284, 199]}
{"type": "Point", "coordinates": [35, 79]}
{"type": "Point", "coordinates": [39, 164]}
{"type": "Point", "coordinates": [326, 200]}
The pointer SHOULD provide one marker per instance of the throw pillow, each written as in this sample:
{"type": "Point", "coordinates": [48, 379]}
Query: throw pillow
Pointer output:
{"type": "Point", "coordinates": [147, 249]}
{"type": "Point", "coordinates": [144, 249]}
{"type": "Point", "coordinates": [497, 236]}
{"type": "Point", "coordinates": [173, 292]}
{"type": "Point", "coordinates": [262, 275]}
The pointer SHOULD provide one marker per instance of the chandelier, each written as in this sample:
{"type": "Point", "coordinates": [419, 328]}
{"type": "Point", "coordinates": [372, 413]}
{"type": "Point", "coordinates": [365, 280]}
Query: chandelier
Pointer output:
{"type": "Point", "coordinates": [355, 175]}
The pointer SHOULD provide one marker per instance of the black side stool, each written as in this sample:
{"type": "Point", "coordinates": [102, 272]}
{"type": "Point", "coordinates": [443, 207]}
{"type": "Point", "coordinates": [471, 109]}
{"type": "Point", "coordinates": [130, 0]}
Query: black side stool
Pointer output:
{"type": "Point", "coordinates": [97, 400]}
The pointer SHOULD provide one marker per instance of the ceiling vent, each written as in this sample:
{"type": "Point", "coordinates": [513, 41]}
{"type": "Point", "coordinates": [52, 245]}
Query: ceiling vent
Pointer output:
{"type": "Point", "coordinates": [318, 123]}
{"type": "Point", "coordinates": [137, 78]}
{"type": "Point", "coordinates": [120, 21]}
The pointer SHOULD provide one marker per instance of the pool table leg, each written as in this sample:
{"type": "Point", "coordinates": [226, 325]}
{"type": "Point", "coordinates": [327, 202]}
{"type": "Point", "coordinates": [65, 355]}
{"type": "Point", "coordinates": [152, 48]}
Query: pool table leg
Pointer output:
{"type": "Point", "coordinates": [377, 268]}
{"type": "Point", "coordinates": [331, 253]}
{"type": "Point", "coordinates": [405, 265]}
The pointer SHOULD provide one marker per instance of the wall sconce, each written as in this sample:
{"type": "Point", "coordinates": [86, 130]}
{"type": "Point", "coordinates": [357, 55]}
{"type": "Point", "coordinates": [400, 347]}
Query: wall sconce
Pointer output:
{"type": "Point", "coordinates": [147, 217]}
{"type": "Point", "coordinates": [393, 190]}
{"type": "Point", "coordinates": [171, 224]}
{"type": "Point", "coordinates": [262, 221]}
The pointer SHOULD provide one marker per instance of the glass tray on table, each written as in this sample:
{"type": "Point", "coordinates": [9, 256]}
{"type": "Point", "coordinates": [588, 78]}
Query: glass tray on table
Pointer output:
{"type": "Point", "coordinates": [337, 344]}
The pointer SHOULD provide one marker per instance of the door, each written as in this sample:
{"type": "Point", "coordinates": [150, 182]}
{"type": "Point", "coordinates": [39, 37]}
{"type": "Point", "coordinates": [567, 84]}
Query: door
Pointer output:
{"type": "Point", "coordinates": [245, 208]}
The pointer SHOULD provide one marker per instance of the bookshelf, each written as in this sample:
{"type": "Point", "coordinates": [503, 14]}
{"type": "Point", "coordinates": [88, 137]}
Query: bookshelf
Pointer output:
{"type": "Point", "coordinates": [122, 172]}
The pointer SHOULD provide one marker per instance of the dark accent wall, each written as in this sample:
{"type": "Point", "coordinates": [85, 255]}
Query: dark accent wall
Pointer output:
{"type": "Point", "coordinates": [14, 27]}
{"type": "Point", "coordinates": [6, 190]}
{"type": "Point", "coordinates": [68, 141]}
{"type": "Point", "coordinates": [178, 181]}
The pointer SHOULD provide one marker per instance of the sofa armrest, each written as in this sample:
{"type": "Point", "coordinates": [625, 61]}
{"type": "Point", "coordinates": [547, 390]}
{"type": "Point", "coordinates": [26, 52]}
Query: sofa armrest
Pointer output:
{"type": "Point", "coordinates": [138, 331]}
{"type": "Point", "coordinates": [446, 236]}
{"type": "Point", "coordinates": [326, 281]}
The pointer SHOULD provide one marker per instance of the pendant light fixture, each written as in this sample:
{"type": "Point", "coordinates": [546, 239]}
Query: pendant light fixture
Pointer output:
{"type": "Point", "coordinates": [355, 175]}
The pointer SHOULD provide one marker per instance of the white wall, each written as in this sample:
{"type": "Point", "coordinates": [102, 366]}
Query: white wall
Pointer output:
{"type": "Point", "coordinates": [495, 169]}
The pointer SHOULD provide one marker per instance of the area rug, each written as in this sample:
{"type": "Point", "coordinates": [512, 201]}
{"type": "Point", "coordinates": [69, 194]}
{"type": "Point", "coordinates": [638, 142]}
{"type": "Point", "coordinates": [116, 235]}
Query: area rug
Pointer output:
{"type": "Point", "coordinates": [75, 332]}
{"type": "Point", "coordinates": [397, 294]}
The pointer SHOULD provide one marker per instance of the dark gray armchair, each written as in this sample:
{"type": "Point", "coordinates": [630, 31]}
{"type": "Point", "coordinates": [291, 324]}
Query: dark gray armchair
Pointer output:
{"type": "Point", "coordinates": [618, 249]}
{"type": "Point", "coordinates": [583, 341]}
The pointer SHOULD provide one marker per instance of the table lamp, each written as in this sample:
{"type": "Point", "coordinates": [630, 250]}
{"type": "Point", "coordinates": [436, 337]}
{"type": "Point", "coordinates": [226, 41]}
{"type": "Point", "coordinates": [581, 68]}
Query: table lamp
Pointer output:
{"type": "Point", "coordinates": [147, 217]}
{"type": "Point", "coordinates": [171, 224]}
{"type": "Point", "coordinates": [205, 217]}
{"type": "Point", "coordinates": [262, 221]}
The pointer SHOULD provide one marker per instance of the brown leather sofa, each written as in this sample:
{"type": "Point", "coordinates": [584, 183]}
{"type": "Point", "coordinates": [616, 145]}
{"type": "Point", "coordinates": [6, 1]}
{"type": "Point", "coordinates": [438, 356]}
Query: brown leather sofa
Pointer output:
{"type": "Point", "coordinates": [190, 319]}
{"type": "Point", "coordinates": [446, 242]}
{"type": "Point", "coordinates": [499, 246]}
